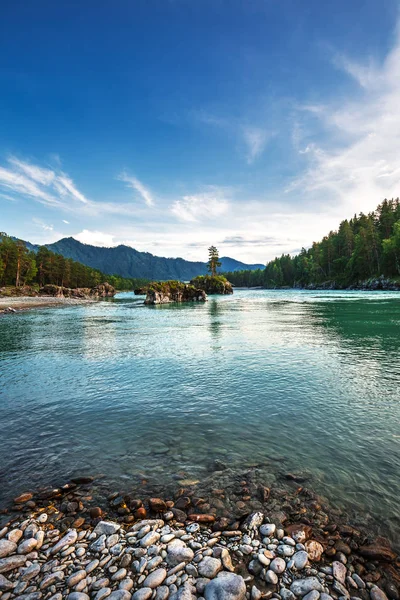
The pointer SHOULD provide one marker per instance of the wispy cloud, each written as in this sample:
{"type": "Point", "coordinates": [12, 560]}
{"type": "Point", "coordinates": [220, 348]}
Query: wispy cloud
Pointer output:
{"type": "Point", "coordinates": [66, 222]}
{"type": "Point", "coordinates": [252, 139]}
{"type": "Point", "coordinates": [7, 197]}
{"type": "Point", "coordinates": [138, 186]}
{"type": "Point", "coordinates": [255, 140]}
{"type": "Point", "coordinates": [96, 238]}
{"type": "Point", "coordinates": [44, 185]}
{"type": "Point", "coordinates": [199, 207]}
{"type": "Point", "coordinates": [42, 224]}
{"type": "Point", "coordinates": [56, 189]}
{"type": "Point", "coordinates": [355, 162]}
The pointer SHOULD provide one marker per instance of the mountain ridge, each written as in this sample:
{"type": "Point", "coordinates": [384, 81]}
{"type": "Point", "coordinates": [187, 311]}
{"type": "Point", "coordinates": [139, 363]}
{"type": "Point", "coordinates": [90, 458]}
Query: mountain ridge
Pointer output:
{"type": "Point", "coordinates": [128, 262]}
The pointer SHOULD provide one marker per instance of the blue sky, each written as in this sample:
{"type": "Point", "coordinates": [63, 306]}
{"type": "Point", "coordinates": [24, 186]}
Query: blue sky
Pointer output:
{"type": "Point", "coordinates": [169, 125]}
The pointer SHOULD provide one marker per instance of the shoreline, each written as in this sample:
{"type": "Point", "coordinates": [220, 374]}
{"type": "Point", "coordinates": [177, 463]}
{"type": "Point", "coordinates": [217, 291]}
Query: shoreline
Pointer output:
{"type": "Point", "coordinates": [184, 546]}
{"type": "Point", "coordinates": [24, 303]}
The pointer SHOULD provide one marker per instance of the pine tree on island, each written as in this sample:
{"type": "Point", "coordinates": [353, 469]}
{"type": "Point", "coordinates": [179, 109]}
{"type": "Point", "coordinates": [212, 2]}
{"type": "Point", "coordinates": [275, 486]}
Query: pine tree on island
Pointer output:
{"type": "Point", "coordinates": [213, 261]}
{"type": "Point", "coordinates": [213, 283]}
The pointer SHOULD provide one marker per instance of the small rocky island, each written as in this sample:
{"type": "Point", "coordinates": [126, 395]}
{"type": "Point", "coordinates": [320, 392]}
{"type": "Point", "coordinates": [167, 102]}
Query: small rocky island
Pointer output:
{"type": "Point", "coordinates": [165, 292]}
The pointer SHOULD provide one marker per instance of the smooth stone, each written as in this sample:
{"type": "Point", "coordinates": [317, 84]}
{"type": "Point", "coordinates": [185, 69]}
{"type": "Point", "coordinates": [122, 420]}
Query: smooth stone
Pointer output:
{"type": "Point", "coordinates": [228, 586]}
{"type": "Point", "coordinates": [377, 594]}
{"type": "Point", "coordinates": [12, 562]}
{"type": "Point", "coordinates": [27, 546]}
{"type": "Point", "coordinates": [313, 595]}
{"type": "Point", "coordinates": [92, 565]}
{"type": "Point", "coordinates": [288, 540]}
{"type": "Point", "coordinates": [360, 583]}
{"type": "Point", "coordinates": [278, 566]}
{"type": "Point", "coordinates": [7, 547]}
{"type": "Point", "coordinates": [155, 578]}
{"type": "Point", "coordinates": [103, 593]}
{"type": "Point", "coordinates": [15, 535]}
{"type": "Point", "coordinates": [149, 539]}
{"type": "Point", "coordinates": [285, 550]}
{"type": "Point", "coordinates": [78, 596]}
{"type": "Point", "coordinates": [120, 595]}
{"type": "Point", "coordinates": [75, 578]}
{"type": "Point", "coordinates": [100, 544]}
{"type": "Point", "coordinates": [52, 579]}
{"type": "Point", "coordinates": [286, 594]}
{"type": "Point", "coordinates": [301, 587]}
{"type": "Point", "coordinates": [300, 559]}
{"type": "Point", "coordinates": [325, 596]}
{"type": "Point", "coordinates": [126, 584]}
{"type": "Point", "coordinates": [30, 572]}
{"type": "Point", "coordinates": [42, 518]}
{"type": "Point", "coordinates": [119, 575]}
{"type": "Point", "coordinates": [271, 577]}
{"type": "Point", "coordinates": [267, 529]}
{"type": "Point", "coordinates": [143, 594]}
{"type": "Point", "coordinates": [5, 584]}
{"type": "Point", "coordinates": [178, 554]}
{"type": "Point", "coordinates": [106, 528]}
{"type": "Point", "coordinates": [209, 567]}
{"type": "Point", "coordinates": [162, 593]}
{"type": "Point", "coordinates": [68, 539]}
{"type": "Point", "coordinates": [340, 589]}
{"type": "Point", "coordinates": [339, 571]}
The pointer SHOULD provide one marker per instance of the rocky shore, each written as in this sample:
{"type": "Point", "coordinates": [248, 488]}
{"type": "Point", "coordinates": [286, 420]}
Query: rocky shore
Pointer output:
{"type": "Point", "coordinates": [58, 544]}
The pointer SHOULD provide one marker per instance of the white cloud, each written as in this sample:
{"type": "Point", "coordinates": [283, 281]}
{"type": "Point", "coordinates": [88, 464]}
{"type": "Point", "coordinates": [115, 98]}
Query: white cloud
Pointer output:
{"type": "Point", "coordinates": [96, 238]}
{"type": "Point", "coordinates": [43, 185]}
{"type": "Point", "coordinates": [7, 197]}
{"type": "Point", "coordinates": [66, 222]}
{"type": "Point", "coordinates": [255, 140]}
{"type": "Point", "coordinates": [199, 207]}
{"type": "Point", "coordinates": [357, 163]}
{"type": "Point", "coordinates": [137, 185]}
{"type": "Point", "coordinates": [43, 225]}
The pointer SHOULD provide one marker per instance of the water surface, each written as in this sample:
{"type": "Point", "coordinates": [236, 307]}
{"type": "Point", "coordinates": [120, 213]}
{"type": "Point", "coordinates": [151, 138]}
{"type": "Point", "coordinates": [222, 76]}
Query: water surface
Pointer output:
{"type": "Point", "coordinates": [137, 392]}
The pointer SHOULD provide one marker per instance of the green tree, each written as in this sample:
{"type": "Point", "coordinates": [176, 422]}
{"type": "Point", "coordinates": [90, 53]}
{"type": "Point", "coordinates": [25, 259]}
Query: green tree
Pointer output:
{"type": "Point", "coordinates": [213, 260]}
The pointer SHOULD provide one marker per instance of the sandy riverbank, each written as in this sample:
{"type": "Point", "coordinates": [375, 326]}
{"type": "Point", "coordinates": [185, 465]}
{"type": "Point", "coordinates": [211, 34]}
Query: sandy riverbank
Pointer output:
{"type": "Point", "coordinates": [19, 303]}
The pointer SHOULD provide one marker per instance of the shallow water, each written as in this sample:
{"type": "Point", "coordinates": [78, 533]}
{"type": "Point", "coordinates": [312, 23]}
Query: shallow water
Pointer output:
{"type": "Point", "coordinates": [159, 393]}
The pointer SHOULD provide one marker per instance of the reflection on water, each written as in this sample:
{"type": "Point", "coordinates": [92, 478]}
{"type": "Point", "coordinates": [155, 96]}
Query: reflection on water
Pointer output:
{"type": "Point", "coordinates": [133, 391]}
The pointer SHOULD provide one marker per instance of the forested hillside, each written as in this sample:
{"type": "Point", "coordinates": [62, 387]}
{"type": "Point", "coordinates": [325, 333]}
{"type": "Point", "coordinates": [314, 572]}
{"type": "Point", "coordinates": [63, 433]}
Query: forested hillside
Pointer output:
{"type": "Point", "coordinates": [128, 262]}
{"type": "Point", "coordinates": [363, 247]}
{"type": "Point", "coordinates": [20, 266]}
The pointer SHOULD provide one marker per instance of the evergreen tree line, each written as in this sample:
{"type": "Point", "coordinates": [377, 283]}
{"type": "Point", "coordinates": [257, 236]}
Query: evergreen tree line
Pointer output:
{"type": "Point", "coordinates": [363, 247]}
{"type": "Point", "coordinates": [20, 266]}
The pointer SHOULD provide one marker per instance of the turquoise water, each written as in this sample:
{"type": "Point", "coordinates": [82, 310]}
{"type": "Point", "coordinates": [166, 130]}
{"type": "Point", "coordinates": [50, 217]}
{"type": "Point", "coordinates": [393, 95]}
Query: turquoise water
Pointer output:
{"type": "Point", "coordinates": [132, 392]}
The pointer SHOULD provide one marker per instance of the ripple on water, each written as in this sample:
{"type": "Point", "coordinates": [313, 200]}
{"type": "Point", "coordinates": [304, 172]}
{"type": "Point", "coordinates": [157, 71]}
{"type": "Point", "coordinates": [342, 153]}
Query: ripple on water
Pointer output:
{"type": "Point", "coordinates": [310, 376]}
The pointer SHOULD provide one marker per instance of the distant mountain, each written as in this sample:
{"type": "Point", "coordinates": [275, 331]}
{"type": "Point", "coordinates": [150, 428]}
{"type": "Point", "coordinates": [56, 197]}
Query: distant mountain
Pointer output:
{"type": "Point", "coordinates": [128, 262]}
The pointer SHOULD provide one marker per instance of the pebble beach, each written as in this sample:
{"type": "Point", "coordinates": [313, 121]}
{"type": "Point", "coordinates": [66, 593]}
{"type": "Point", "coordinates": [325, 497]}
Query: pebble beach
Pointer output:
{"type": "Point", "coordinates": [57, 544]}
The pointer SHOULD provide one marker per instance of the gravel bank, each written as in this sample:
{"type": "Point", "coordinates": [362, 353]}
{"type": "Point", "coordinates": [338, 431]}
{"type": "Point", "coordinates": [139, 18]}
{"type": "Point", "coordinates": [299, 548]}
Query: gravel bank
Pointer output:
{"type": "Point", "coordinates": [18, 303]}
{"type": "Point", "coordinates": [164, 558]}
